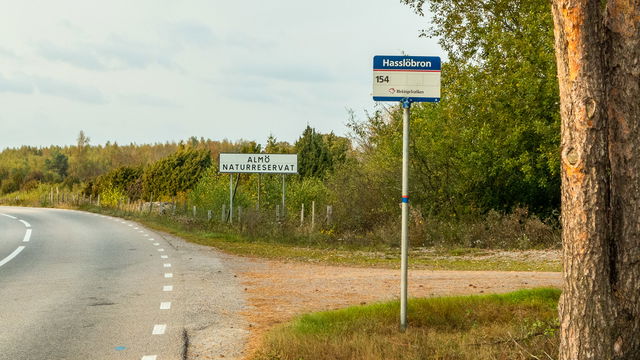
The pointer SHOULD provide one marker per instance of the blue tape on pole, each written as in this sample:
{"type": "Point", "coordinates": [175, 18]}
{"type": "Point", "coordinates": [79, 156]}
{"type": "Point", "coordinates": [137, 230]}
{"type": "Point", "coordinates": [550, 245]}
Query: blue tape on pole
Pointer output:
{"type": "Point", "coordinates": [405, 199]}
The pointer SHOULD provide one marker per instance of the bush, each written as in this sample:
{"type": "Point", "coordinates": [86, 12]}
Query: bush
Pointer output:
{"type": "Point", "coordinates": [176, 173]}
{"type": "Point", "coordinates": [515, 230]}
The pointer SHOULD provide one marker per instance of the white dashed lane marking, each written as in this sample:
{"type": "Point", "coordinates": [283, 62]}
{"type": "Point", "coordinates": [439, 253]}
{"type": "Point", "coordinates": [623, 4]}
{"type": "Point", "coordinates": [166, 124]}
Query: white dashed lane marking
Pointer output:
{"type": "Point", "coordinates": [27, 236]}
{"type": "Point", "coordinates": [159, 329]}
{"type": "Point", "coordinates": [13, 254]}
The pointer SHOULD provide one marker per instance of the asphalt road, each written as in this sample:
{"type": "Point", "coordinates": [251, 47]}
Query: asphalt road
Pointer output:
{"type": "Point", "coordinates": [75, 285]}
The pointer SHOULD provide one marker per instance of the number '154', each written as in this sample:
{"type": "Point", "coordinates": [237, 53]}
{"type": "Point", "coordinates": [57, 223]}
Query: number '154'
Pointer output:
{"type": "Point", "coordinates": [382, 78]}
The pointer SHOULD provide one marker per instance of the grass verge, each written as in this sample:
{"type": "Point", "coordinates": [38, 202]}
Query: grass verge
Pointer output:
{"type": "Point", "coordinates": [513, 326]}
{"type": "Point", "coordinates": [322, 253]}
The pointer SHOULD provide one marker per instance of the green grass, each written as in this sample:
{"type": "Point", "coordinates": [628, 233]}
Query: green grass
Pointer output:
{"type": "Point", "coordinates": [517, 325]}
{"type": "Point", "coordinates": [331, 254]}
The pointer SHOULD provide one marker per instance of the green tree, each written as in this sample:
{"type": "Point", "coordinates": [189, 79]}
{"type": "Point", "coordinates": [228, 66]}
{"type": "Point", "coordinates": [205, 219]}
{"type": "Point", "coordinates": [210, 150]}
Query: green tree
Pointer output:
{"type": "Point", "coordinates": [318, 153]}
{"type": "Point", "coordinates": [500, 98]}
{"type": "Point", "coordinates": [58, 163]}
{"type": "Point", "coordinates": [176, 173]}
{"type": "Point", "coordinates": [278, 147]}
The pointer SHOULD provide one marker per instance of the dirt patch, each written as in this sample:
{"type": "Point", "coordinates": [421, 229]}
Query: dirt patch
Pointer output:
{"type": "Point", "coordinates": [278, 291]}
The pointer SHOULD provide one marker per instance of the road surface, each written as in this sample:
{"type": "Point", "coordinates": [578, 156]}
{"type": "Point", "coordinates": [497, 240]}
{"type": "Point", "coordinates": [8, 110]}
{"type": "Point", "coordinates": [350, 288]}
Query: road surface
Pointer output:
{"type": "Point", "coordinates": [75, 285]}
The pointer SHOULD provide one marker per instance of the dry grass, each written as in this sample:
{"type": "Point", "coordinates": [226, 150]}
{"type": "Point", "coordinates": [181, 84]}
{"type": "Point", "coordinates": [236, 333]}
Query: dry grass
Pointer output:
{"type": "Point", "coordinates": [514, 326]}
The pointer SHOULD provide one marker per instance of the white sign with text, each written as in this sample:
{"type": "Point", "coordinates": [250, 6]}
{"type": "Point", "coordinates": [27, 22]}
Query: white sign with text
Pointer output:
{"type": "Point", "coordinates": [259, 163]}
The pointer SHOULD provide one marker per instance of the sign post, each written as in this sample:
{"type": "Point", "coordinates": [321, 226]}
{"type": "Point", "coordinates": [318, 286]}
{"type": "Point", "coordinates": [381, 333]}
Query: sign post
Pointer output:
{"type": "Point", "coordinates": [406, 79]}
{"type": "Point", "coordinates": [230, 198]}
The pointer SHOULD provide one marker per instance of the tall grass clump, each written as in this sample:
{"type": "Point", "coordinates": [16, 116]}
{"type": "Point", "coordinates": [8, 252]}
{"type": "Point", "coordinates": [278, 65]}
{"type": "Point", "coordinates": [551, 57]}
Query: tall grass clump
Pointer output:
{"type": "Point", "coordinates": [513, 326]}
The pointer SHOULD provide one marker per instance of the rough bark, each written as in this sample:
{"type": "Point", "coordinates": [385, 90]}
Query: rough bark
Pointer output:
{"type": "Point", "coordinates": [598, 56]}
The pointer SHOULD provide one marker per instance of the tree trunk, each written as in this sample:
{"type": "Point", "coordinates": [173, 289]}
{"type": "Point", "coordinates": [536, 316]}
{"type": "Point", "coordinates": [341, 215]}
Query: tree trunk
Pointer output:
{"type": "Point", "coordinates": [598, 54]}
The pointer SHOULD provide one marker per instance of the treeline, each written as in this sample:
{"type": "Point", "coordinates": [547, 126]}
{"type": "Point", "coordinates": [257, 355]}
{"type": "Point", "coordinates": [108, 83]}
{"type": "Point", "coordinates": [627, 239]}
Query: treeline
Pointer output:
{"type": "Point", "coordinates": [25, 168]}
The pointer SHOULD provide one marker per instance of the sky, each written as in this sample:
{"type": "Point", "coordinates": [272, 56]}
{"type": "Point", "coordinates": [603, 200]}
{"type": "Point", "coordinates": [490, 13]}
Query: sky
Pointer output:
{"type": "Point", "coordinates": [150, 71]}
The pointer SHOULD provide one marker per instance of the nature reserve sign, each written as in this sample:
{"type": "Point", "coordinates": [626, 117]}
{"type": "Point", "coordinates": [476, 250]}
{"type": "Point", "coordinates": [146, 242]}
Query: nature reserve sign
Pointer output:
{"type": "Point", "coordinates": [259, 163]}
{"type": "Point", "coordinates": [412, 78]}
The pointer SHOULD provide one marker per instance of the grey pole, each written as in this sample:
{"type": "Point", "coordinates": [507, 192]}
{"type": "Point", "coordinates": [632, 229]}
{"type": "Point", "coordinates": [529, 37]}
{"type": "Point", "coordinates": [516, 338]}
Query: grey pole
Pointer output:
{"type": "Point", "coordinates": [231, 198]}
{"type": "Point", "coordinates": [406, 105]}
{"type": "Point", "coordinates": [313, 214]}
{"type": "Point", "coordinates": [283, 197]}
{"type": "Point", "coordinates": [259, 188]}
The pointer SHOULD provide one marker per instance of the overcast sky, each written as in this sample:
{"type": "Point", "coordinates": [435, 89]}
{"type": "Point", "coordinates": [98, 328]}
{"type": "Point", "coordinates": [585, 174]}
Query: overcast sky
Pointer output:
{"type": "Point", "coordinates": [149, 71]}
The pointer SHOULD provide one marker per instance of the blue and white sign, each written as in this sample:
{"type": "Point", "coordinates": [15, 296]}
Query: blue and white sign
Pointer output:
{"type": "Point", "coordinates": [416, 78]}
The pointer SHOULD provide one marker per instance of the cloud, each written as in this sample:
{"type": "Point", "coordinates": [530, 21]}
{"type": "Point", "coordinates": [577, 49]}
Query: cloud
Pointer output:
{"type": "Point", "coordinates": [47, 86]}
{"type": "Point", "coordinates": [121, 51]}
{"type": "Point", "coordinates": [191, 33]}
{"type": "Point", "coordinates": [20, 85]}
{"type": "Point", "coordinates": [286, 72]}
{"type": "Point", "coordinates": [149, 100]}
{"type": "Point", "coordinates": [113, 54]}
{"type": "Point", "coordinates": [83, 57]}
{"type": "Point", "coordinates": [69, 91]}
{"type": "Point", "coordinates": [7, 54]}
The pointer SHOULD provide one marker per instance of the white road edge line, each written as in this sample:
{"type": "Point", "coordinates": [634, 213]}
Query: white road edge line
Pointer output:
{"type": "Point", "coordinates": [167, 288]}
{"type": "Point", "coordinates": [165, 305]}
{"type": "Point", "coordinates": [159, 329]}
{"type": "Point", "coordinates": [167, 265]}
{"type": "Point", "coordinates": [168, 275]}
{"type": "Point", "coordinates": [150, 357]}
{"type": "Point", "coordinates": [27, 236]}
{"type": "Point", "coordinates": [12, 255]}
{"type": "Point", "coordinates": [26, 224]}
{"type": "Point", "coordinates": [160, 249]}
{"type": "Point", "coordinates": [164, 256]}
{"type": "Point", "coordinates": [9, 216]}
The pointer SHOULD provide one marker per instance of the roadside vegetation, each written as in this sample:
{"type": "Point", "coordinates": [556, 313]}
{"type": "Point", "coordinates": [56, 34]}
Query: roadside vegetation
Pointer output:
{"type": "Point", "coordinates": [299, 244]}
{"type": "Point", "coordinates": [513, 326]}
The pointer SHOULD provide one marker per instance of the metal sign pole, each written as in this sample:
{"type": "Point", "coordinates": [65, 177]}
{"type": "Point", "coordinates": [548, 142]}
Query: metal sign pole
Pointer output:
{"type": "Point", "coordinates": [231, 198]}
{"type": "Point", "coordinates": [259, 189]}
{"type": "Point", "coordinates": [406, 106]}
{"type": "Point", "coordinates": [283, 195]}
